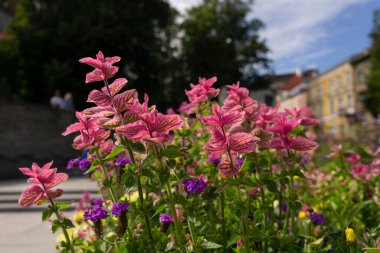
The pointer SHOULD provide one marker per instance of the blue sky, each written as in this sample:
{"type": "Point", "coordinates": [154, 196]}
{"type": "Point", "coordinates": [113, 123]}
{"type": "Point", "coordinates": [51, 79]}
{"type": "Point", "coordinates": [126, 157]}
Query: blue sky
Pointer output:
{"type": "Point", "coordinates": [306, 33]}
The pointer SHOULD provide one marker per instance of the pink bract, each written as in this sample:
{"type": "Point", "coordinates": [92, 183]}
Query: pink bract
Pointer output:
{"type": "Point", "coordinates": [104, 68]}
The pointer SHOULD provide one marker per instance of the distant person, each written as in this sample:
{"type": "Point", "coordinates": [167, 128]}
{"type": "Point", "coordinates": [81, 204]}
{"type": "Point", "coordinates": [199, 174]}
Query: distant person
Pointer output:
{"type": "Point", "coordinates": [56, 101]}
{"type": "Point", "coordinates": [68, 102]}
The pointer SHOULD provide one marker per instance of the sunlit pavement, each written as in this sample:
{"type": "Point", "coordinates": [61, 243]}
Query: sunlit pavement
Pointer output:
{"type": "Point", "coordinates": [22, 230]}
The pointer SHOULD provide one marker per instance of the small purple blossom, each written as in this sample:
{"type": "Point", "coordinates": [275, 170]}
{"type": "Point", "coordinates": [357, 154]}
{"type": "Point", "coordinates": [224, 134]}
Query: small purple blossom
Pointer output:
{"type": "Point", "coordinates": [214, 160]}
{"type": "Point", "coordinates": [95, 213]}
{"type": "Point", "coordinates": [239, 162]}
{"type": "Point", "coordinates": [73, 163]}
{"type": "Point", "coordinates": [166, 218]}
{"type": "Point", "coordinates": [97, 202]}
{"type": "Point", "coordinates": [297, 185]}
{"type": "Point", "coordinates": [194, 185]}
{"type": "Point", "coordinates": [84, 164]}
{"type": "Point", "coordinates": [118, 208]}
{"type": "Point", "coordinates": [318, 219]}
{"type": "Point", "coordinates": [121, 162]}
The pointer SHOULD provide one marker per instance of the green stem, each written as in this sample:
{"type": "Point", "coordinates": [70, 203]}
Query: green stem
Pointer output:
{"type": "Point", "coordinates": [243, 220]}
{"type": "Point", "coordinates": [193, 235]}
{"type": "Point", "coordinates": [139, 187]}
{"type": "Point", "coordinates": [112, 192]}
{"type": "Point", "coordinates": [265, 218]}
{"type": "Point", "coordinates": [67, 238]}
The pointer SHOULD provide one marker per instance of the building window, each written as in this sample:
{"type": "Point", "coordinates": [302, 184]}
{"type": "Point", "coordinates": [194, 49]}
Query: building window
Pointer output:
{"type": "Point", "coordinates": [331, 86]}
{"type": "Point", "coordinates": [348, 79]}
{"type": "Point", "coordinates": [359, 77]}
{"type": "Point", "coordinates": [340, 106]}
{"type": "Point", "coordinates": [339, 81]}
{"type": "Point", "coordinates": [332, 105]}
{"type": "Point", "coordinates": [349, 100]}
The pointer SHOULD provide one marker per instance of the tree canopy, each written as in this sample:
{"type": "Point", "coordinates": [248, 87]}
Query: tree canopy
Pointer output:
{"type": "Point", "coordinates": [45, 39]}
{"type": "Point", "coordinates": [372, 96]}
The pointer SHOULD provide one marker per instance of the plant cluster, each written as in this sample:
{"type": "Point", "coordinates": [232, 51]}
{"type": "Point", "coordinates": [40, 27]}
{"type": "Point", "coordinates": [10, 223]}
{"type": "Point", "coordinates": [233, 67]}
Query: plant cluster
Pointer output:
{"type": "Point", "coordinates": [241, 177]}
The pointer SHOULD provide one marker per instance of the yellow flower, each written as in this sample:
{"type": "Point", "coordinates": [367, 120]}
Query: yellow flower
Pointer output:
{"type": "Point", "coordinates": [302, 215]}
{"type": "Point", "coordinates": [78, 217]}
{"type": "Point", "coordinates": [350, 234]}
{"type": "Point", "coordinates": [133, 197]}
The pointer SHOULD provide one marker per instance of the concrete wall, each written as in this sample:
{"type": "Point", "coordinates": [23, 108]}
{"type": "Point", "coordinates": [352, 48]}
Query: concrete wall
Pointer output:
{"type": "Point", "coordinates": [32, 133]}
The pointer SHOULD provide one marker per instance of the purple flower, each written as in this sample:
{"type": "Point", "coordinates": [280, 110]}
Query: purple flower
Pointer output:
{"type": "Point", "coordinates": [297, 185]}
{"type": "Point", "coordinates": [214, 160]}
{"type": "Point", "coordinates": [121, 162]}
{"type": "Point", "coordinates": [166, 218]}
{"type": "Point", "coordinates": [84, 164]}
{"type": "Point", "coordinates": [97, 202]}
{"type": "Point", "coordinates": [95, 213]}
{"type": "Point", "coordinates": [239, 162]}
{"type": "Point", "coordinates": [118, 208]}
{"type": "Point", "coordinates": [73, 163]}
{"type": "Point", "coordinates": [194, 185]}
{"type": "Point", "coordinates": [318, 219]}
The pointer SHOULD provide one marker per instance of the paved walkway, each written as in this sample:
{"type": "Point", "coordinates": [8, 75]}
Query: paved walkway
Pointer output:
{"type": "Point", "coordinates": [21, 229]}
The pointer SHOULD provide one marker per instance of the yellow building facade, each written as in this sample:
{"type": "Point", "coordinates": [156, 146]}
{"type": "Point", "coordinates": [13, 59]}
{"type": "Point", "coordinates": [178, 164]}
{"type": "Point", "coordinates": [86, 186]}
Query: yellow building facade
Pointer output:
{"type": "Point", "coordinates": [333, 100]}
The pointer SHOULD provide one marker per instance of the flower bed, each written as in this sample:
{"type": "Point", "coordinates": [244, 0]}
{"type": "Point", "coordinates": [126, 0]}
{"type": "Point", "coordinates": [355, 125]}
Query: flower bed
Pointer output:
{"type": "Point", "coordinates": [241, 177]}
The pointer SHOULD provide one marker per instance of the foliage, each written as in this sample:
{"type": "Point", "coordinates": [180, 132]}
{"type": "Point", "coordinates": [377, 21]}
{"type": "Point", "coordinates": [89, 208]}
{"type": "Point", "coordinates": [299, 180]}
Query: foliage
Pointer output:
{"type": "Point", "coordinates": [372, 95]}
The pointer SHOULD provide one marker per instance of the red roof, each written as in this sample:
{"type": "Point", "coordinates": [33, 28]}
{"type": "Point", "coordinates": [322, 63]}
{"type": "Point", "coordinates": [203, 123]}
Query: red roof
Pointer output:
{"type": "Point", "coordinates": [292, 82]}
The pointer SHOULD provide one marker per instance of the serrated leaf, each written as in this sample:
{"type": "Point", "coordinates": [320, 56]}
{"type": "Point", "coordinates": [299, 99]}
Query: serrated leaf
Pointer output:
{"type": "Point", "coordinates": [210, 245]}
{"type": "Point", "coordinates": [138, 147]}
{"type": "Point", "coordinates": [128, 179]}
{"type": "Point", "coordinates": [148, 160]}
{"type": "Point", "coordinates": [55, 226]}
{"type": "Point", "coordinates": [116, 150]}
{"type": "Point", "coordinates": [46, 214]}
{"type": "Point", "coordinates": [67, 223]}
{"type": "Point", "coordinates": [171, 151]}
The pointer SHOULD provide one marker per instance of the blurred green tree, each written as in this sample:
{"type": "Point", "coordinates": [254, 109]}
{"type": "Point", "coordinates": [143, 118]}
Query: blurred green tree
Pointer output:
{"type": "Point", "coordinates": [221, 39]}
{"type": "Point", "coordinates": [45, 39]}
{"type": "Point", "coordinates": [372, 95]}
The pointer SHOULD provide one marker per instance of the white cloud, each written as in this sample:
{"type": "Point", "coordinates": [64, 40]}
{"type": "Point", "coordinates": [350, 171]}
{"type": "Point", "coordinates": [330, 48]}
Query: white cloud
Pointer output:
{"type": "Point", "coordinates": [296, 26]}
{"type": "Point", "coordinates": [293, 28]}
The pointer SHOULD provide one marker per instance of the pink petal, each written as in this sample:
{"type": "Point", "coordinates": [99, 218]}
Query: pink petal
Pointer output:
{"type": "Point", "coordinates": [124, 100]}
{"type": "Point", "coordinates": [165, 123]}
{"type": "Point", "coordinates": [230, 117]}
{"type": "Point", "coordinates": [116, 86]}
{"type": "Point", "coordinates": [210, 120]}
{"type": "Point", "coordinates": [134, 131]}
{"type": "Point", "coordinates": [46, 175]}
{"type": "Point", "coordinates": [56, 179]}
{"type": "Point", "coordinates": [303, 144]}
{"type": "Point", "coordinates": [30, 196]}
{"type": "Point", "coordinates": [112, 60]}
{"type": "Point", "coordinates": [94, 76]}
{"type": "Point", "coordinates": [47, 165]}
{"type": "Point", "coordinates": [54, 194]}
{"type": "Point", "coordinates": [92, 62]}
{"type": "Point", "coordinates": [99, 98]}
{"type": "Point", "coordinates": [277, 143]}
{"type": "Point", "coordinates": [99, 111]}
{"type": "Point", "coordinates": [73, 128]}
{"type": "Point", "coordinates": [242, 142]}
{"type": "Point", "coordinates": [27, 171]}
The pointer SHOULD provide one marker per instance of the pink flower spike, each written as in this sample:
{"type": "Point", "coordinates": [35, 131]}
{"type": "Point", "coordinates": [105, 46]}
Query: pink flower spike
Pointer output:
{"type": "Point", "coordinates": [303, 144]}
{"type": "Point", "coordinates": [284, 125]}
{"type": "Point", "coordinates": [220, 118]}
{"type": "Point", "coordinates": [203, 91]}
{"type": "Point", "coordinates": [104, 68]}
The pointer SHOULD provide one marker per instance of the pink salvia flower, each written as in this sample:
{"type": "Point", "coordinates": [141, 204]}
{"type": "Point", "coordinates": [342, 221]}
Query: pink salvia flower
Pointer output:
{"type": "Point", "coordinates": [299, 144]}
{"type": "Point", "coordinates": [284, 125]}
{"type": "Point", "coordinates": [220, 118]}
{"type": "Point", "coordinates": [187, 108]}
{"type": "Point", "coordinates": [336, 149]}
{"type": "Point", "coordinates": [44, 179]}
{"type": "Point", "coordinates": [152, 126]}
{"type": "Point", "coordinates": [203, 91]}
{"type": "Point", "coordinates": [304, 114]}
{"type": "Point", "coordinates": [104, 68]}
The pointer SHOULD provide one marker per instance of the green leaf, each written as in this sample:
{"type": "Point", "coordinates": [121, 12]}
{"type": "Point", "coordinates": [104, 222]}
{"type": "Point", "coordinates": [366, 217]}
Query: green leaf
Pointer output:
{"type": "Point", "coordinates": [46, 214]}
{"type": "Point", "coordinates": [94, 165]}
{"type": "Point", "coordinates": [258, 216]}
{"type": "Point", "coordinates": [248, 164]}
{"type": "Point", "coordinates": [55, 226]}
{"type": "Point", "coordinates": [371, 250]}
{"type": "Point", "coordinates": [159, 209]}
{"type": "Point", "coordinates": [210, 245]}
{"type": "Point", "coordinates": [67, 223]}
{"type": "Point", "coordinates": [171, 151]}
{"type": "Point", "coordinates": [171, 163]}
{"type": "Point", "coordinates": [94, 149]}
{"type": "Point", "coordinates": [116, 150]}
{"type": "Point", "coordinates": [147, 172]}
{"type": "Point", "coordinates": [62, 205]}
{"type": "Point", "coordinates": [128, 179]}
{"type": "Point", "coordinates": [148, 160]}
{"type": "Point", "coordinates": [138, 147]}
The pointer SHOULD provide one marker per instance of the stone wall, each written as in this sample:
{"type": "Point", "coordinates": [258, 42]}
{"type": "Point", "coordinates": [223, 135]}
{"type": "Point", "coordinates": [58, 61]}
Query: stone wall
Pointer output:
{"type": "Point", "coordinates": [32, 133]}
